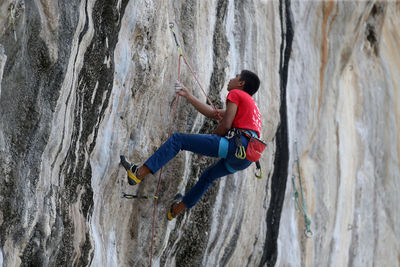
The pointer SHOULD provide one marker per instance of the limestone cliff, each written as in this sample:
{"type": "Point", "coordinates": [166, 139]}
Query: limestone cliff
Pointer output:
{"type": "Point", "coordinates": [82, 82]}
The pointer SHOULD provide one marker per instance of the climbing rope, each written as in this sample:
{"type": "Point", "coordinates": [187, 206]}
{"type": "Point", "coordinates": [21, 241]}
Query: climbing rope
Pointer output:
{"type": "Point", "coordinates": [181, 55]}
{"type": "Point", "coordinates": [300, 204]}
{"type": "Point", "coordinates": [172, 116]}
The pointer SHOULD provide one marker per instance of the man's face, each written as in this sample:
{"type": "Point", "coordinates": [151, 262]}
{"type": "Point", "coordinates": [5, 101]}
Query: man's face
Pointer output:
{"type": "Point", "coordinates": [235, 83]}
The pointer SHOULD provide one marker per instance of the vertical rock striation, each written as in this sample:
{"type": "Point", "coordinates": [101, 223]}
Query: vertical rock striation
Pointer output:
{"type": "Point", "coordinates": [342, 95]}
{"type": "Point", "coordinates": [84, 81]}
{"type": "Point", "coordinates": [281, 161]}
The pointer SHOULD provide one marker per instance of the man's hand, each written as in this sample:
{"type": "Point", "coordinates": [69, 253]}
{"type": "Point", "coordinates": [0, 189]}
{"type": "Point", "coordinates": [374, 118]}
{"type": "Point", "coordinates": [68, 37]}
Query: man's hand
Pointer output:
{"type": "Point", "coordinates": [226, 123]}
{"type": "Point", "coordinates": [181, 90]}
{"type": "Point", "coordinates": [203, 108]}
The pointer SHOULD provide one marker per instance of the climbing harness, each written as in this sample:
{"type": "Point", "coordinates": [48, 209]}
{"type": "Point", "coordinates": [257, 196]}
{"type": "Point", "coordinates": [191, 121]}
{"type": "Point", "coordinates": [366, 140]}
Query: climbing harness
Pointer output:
{"type": "Point", "coordinates": [254, 149]}
{"type": "Point", "coordinates": [300, 204]}
{"type": "Point", "coordinates": [255, 146]}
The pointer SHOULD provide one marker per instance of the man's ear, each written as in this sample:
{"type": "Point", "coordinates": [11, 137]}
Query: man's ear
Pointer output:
{"type": "Point", "coordinates": [241, 83]}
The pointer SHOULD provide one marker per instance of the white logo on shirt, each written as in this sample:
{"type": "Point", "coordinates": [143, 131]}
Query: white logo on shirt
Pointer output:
{"type": "Point", "coordinates": [256, 117]}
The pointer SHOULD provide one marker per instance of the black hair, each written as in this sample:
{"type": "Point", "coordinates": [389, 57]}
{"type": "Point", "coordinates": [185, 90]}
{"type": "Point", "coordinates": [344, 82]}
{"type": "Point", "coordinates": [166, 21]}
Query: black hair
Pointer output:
{"type": "Point", "coordinates": [251, 81]}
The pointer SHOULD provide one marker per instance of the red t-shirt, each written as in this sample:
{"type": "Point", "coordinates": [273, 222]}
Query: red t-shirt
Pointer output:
{"type": "Point", "coordinates": [247, 116]}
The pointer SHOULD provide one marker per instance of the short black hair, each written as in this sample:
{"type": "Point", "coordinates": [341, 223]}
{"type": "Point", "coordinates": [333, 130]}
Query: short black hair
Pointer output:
{"type": "Point", "coordinates": [251, 81]}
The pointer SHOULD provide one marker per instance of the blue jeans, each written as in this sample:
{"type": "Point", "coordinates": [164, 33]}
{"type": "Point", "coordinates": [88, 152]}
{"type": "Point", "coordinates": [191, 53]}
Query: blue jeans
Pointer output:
{"type": "Point", "coordinates": [204, 144]}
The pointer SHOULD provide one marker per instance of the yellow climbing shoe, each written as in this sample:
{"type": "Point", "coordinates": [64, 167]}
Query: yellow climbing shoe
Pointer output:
{"type": "Point", "coordinates": [131, 170]}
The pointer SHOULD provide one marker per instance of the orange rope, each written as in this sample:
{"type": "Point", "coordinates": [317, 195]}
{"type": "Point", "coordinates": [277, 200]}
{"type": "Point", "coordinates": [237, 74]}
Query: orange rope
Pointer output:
{"type": "Point", "coordinates": [204, 92]}
{"type": "Point", "coordinates": [172, 116]}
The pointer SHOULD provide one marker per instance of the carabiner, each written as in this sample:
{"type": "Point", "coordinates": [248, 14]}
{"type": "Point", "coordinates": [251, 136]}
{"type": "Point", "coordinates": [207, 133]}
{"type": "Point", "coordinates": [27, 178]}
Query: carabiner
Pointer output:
{"type": "Point", "coordinates": [230, 134]}
{"type": "Point", "coordinates": [258, 167]}
{"type": "Point", "coordinates": [171, 27]}
{"type": "Point", "coordinates": [308, 233]}
{"type": "Point", "coordinates": [259, 176]}
{"type": "Point", "coordinates": [240, 152]}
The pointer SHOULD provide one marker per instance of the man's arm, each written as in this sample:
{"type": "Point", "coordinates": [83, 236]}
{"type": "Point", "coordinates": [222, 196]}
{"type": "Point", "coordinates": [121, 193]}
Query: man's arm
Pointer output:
{"type": "Point", "coordinates": [221, 112]}
{"type": "Point", "coordinates": [203, 108]}
{"type": "Point", "coordinates": [226, 123]}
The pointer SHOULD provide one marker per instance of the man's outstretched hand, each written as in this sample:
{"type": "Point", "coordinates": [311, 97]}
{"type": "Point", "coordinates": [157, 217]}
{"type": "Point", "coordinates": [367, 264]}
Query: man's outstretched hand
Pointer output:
{"type": "Point", "coordinates": [181, 89]}
{"type": "Point", "coordinates": [203, 108]}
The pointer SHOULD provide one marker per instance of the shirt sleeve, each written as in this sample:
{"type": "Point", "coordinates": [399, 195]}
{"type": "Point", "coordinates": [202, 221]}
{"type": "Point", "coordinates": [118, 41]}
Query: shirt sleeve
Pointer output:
{"type": "Point", "coordinates": [234, 97]}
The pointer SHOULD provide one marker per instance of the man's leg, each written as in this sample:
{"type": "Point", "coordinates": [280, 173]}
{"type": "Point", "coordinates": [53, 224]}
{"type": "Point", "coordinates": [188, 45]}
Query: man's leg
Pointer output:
{"type": "Point", "coordinates": [203, 144]}
{"type": "Point", "coordinates": [206, 179]}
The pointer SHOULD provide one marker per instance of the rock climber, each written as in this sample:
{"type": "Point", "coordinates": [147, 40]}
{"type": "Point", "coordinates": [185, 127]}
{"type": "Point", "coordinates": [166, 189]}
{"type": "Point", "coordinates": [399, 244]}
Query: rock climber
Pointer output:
{"type": "Point", "coordinates": [241, 118]}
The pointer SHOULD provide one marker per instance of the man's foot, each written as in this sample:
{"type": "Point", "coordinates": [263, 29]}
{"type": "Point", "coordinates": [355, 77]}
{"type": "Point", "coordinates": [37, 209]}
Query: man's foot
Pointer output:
{"type": "Point", "coordinates": [131, 169]}
{"type": "Point", "coordinates": [175, 210]}
{"type": "Point", "coordinates": [171, 214]}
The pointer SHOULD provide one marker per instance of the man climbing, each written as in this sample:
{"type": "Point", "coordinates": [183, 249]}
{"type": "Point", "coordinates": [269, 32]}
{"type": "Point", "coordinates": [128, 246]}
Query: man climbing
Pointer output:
{"type": "Point", "coordinates": [241, 119]}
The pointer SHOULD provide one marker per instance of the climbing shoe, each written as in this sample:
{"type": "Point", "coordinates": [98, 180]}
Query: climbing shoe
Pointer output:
{"type": "Point", "coordinates": [171, 215]}
{"type": "Point", "coordinates": [176, 208]}
{"type": "Point", "coordinates": [131, 170]}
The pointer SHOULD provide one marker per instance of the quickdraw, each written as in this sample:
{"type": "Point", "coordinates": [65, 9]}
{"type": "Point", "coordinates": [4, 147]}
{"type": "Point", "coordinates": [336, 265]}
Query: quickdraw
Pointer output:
{"type": "Point", "coordinates": [301, 207]}
{"type": "Point", "coordinates": [129, 196]}
{"type": "Point", "coordinates": [240, 152]}
{"type": "Point", "coordinates": [172, 28]}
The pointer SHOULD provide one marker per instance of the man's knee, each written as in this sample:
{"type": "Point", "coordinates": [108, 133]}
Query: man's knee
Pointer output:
{"type": "Point", "coordinates": [176, 140]}
{"type": "Point", "coordinates": [176, 136]}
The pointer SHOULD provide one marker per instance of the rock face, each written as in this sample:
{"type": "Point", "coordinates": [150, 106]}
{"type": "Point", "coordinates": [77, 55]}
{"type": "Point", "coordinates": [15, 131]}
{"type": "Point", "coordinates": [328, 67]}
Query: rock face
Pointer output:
{"type": "Point", "coordinates": [82, 82]}
{"type": "Point", "coordinates": [343, 109]}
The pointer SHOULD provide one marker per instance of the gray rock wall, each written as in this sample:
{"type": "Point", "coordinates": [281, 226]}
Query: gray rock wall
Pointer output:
{"type": "Point", "coordinates": [82, 82]}
{"type": "Point", "coordinates": [343, 95]}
